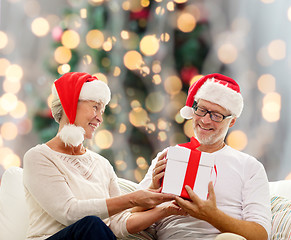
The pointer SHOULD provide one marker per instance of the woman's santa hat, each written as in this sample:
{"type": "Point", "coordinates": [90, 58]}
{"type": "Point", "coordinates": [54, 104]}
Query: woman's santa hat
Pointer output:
{"type": "Point", "coordinates": [70, 88]}
{"type": "Point", "coordinates": [216, 88]}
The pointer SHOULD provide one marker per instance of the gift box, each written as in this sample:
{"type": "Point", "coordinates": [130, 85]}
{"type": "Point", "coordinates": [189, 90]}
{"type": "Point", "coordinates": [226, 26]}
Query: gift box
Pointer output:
{"type": "Point", "coordinates": [187, 167]}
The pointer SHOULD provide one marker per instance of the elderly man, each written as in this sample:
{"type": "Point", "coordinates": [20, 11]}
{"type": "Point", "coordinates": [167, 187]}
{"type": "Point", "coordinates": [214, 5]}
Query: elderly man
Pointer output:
{"type": "Point", "coordinates": [238, 203]}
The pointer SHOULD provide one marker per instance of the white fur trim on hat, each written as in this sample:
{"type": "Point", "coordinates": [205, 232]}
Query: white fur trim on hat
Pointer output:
{"type": "Point", "coordinates": [72, 135]}
{"type": "Point", "coordinates": [96, 91]}
{"type": "Point", "coordinates": [222, 95]}
{"type": "Point", "coordinates": [187, 112]}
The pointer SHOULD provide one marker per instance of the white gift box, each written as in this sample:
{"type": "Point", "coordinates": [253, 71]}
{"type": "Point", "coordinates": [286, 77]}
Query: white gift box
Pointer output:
{"type": "Point", "coordinates": [187, 167]}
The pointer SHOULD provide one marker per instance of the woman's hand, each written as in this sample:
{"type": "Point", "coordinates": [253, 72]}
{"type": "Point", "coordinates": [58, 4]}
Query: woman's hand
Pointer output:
{"type": "Point", "coordinates": [147, 199]}
{"type": "Point", "coordinates": [159, 171]}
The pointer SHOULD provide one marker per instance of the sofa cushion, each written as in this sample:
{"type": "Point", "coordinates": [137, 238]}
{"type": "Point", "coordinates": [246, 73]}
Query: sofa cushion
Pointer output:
{"type": "Point", "coordinates": [281, 218]}
{"type": "Point", "coordinates": [13, 208]}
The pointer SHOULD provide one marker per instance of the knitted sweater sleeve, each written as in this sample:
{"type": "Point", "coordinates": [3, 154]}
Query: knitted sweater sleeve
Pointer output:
{"type": "Point", "coordinates": [51, 192]}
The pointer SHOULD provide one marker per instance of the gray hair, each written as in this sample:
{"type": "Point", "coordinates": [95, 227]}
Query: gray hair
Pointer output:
{"type": "Point", "coordinates": [57, 109]}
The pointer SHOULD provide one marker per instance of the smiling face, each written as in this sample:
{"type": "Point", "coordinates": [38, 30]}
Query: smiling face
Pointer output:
{"type": "Point", "coordinates": [89, 116]}
{"type": "Point", "coordinates": [210, 134]}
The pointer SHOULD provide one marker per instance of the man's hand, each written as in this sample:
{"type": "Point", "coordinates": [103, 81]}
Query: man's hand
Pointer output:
{"type": "Point", "coordinates": [198, 208]}
{"type": "Point", "coordinates": [159, 171]}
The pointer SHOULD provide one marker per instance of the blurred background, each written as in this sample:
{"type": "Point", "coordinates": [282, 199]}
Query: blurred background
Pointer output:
{"type": "Point", "coordinates": [149, 52]}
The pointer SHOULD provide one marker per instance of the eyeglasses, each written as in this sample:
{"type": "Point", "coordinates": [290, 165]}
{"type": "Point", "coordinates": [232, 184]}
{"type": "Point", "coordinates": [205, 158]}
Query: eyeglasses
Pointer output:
{"type": "Point", "coordinates": [214, 116]}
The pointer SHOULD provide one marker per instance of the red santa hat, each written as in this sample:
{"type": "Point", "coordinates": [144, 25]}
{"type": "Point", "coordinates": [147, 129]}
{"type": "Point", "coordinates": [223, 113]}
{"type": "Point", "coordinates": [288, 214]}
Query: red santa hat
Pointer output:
{"type": "Point", "coordinates": [216, 88]}
{"type": "Point", "coordinates": [70, 88]}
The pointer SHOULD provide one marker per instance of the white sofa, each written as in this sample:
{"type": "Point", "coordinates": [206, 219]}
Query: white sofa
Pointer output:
{"type": "Point", "coordinates": [14, 213]}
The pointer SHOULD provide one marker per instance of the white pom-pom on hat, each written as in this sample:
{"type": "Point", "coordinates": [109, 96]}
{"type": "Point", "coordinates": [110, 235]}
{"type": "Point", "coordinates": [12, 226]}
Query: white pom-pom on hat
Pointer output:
{"type": "Point", "coordinates": [72, 135]}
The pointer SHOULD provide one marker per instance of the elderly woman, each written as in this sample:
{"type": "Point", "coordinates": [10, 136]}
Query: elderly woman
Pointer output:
{"type": "Point", "coordinates": [73, 192]}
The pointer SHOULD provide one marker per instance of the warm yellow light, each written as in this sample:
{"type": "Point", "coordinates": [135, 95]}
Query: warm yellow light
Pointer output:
{"type": "Point", "coordinates": [155, 102]}
{"type": "Point", "coordinates": [163, 124]}
{"type": "Point", "coordinates": [267, 83]}
{"type": "Point", "coordinates": [227, 53]}
{"type": "Point", "coordinates": [289, 14]}
{"type": "Point", "coordinates": [4, 64]}
{"type": "Point", "coordinates": [8, 102]}
{"type": "Point", "coordinates": [180, 1]}
{"type": "Point", "coordinates": [122, 128]}
{"type": "Point", "coordinates": [149, 45]}
{"type": "Point", "coordinates": [271, 107]}
{"type": "Point", "coordinates": [195, 78]}
{"type": "Point", "coordinates": [277, 49]}
{"type": "Point", "coordinates": [3, 40]}
{"type": "Point", "coordinates": [116, 71]}
{"type": "Point", "coordinates": [70, 39]}
{"type": "Point", "coordinates": [188, 128]}
{"type": "Point", "coordinates": [165, 37]}
{"type": "Point", "coordinates": [2, 110]}
{"type": "Point", "coordinates": [62, 55]}
{"type": "Point", "coordinates": [120, 165]}
{"type": "Point", "coordinates": [64, 68]}
{"type": "Point", "coordinates": [186, 22]}
{"type": "Point", "coordinates": [132, 60]}
{"type": "Point", "coordinates": [126, 5]}
{"type": "Point", "coordinates": [162, 136]}
{"type": "Point", "coordinates": [10, 160]}
{"type": "Point", "coordinates": [107, 45]}
{"type": "Point", "coordinates": [9, 131]}
{"type": "Point", "coordinates": [173, 85]}
{"type": "Point", "coordinates": [160, 10]}
{"type": "Point", "coordinates": [14, 72]}
{"type": "Point", "coordinates": [142, 163]}
{"type": "Point", "coordinates": [104, 139]}
{"type": "Point", "coordinates": [156, 67]}
{"type": "Point", "coordinates": [95, 39]}
{"type": "Point", "coordinates": [171, 6]}
{"type": "Point", "coordinates": [124, 34]}
{"type": "Point", "coordinates": [145, 3]}
{"type": "Point", "coordinates": [11, 86]}
{"type": "Point", "coordinates": [40, 27]}
{"type": "Point", "coordinates": [157, 79]}
{"type": "Point", "coordinates": [83, 13]}
{"type": "Point", "coordinates": [101, 77]}
{"type": "Point", "coordinates": [237, 140]}
{"type": "Point", "coordinates": [19, 111]}
{"type": "Point", "coordinates": [138, 117]}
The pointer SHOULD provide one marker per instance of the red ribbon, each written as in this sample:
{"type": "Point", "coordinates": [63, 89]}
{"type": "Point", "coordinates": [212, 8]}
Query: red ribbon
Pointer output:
{"type": "Point", "coordinates": [192, 166]}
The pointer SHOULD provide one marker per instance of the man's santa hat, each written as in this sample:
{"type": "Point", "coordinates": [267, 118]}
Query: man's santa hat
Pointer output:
{"type": "Point", "coordinates": [70, 88]}
{"type": "Point", "coordinates": [215, 88]}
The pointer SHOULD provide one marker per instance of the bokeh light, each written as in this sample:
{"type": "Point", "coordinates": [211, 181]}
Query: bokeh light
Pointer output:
{"type": "Point", "coordinates": [4, 64]}
{"type": "Point", "coordinates": [132, 60]}
{"type": "Point", "coordinates": [237, 140]}
{"type": "Point", "coordinates": [277, 49]}
{"type": "Point", "coordinates": [40, 27]}
{"type": "Point", "coordinates": [62, 55]}
{"type": "Point", "coordinates": [9, 131]}
{"type": "Point", "coordinates": [70, 39]}
{"type": "Point", "coordinates": [149, 45]}
{"type": "Point", "coordinates": [186, 22]}
{"type": "Point", "coordinates": [3, 40]}
{"type": "Point", "coordinates": [104, 139]}
{"type": "Point", "coordinates": [19, 111]}
{"type": "Point", "coordinates": [227, 53]}
{"type": "Point", "coordinates": [95, 39]}
{"type": "Point", "coordinates": [10, 160]}
{"type": "Point", "coordinates": [138, 117]}
{"type": "Point", "coordinates": [155, 102]}
{"type": "Point", "coordinates": [188, 128]}
{"type": "Point", "coordinates": [267, 83]}
{"type": "Point", "coordinates": [173, 85]}
{"type": "Point", "coordinates": [11, 86]}
{"type": "Point", "coordinates": [14, 72]}
{"type": "Point", "coordinates": [8, 102]}
{"type": "Point", "coordinates": [271, 107]}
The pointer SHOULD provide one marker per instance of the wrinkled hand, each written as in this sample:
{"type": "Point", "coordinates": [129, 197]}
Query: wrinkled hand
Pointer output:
{"type": "Point", "coordinates": [147, 199]}
{"type": "Point", "coordinates": [171, 208]}
{"type": "Point", "coordinates": [159, 171]}
{"type": "Point", "coordinates": [198, 208]}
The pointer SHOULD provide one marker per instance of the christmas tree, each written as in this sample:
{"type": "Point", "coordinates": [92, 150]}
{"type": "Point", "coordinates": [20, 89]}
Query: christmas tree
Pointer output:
{"type": "Point", "coordinates": [148, 52]}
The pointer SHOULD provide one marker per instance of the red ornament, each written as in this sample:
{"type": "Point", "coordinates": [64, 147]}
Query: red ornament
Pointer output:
{"type": "Point", "coordinates": [187, 73]}
{"type": "Point", "coordinates": [143, 14]}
